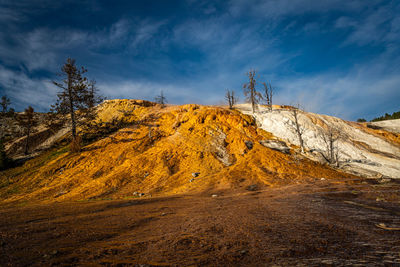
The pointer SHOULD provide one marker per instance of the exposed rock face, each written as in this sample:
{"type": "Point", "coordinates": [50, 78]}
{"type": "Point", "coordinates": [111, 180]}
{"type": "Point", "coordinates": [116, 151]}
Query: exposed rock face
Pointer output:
{"type": "Point", "coordinates": [276, 145]}
{"type": "Point", "coordinates": [364, 150]}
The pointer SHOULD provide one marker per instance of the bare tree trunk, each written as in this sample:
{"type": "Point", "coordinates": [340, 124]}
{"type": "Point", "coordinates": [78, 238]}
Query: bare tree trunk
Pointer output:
{"type": "Point", "coordinates": [253, 105]}
{"type": "Point", "coordinates": [71, 106]}
{"type": "Point", "coordinates": [28, 130]}
{"type": "Point", "coordinates": [298, 130]}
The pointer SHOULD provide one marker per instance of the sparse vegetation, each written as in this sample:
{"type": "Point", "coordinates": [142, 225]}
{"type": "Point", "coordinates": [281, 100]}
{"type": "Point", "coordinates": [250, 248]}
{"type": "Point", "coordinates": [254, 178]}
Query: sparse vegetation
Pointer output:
{"type": "Point", "coordinates": [77, 94]}
{"type": "Point", "coordinates": [361, 120]}
{"type": "Point", "coordinates": [5, 161]}
{"type": "Point", "coordinates": [161, 99]}
{"type": "Point", "coordinates": [27, 121]}
{"type": "Point", "coordinates": [393, 116]}
{"type": "Point", "coordinates": [231, 98]}
{"type": "Point", "coordinates": [330, 139]}
{"type": "Point", "coordinates": [299, 130]}
{"type": "Point", "coordinates": [250, 92]}
{"type": "Point", "coordinates": [268, 93]}
{"type": "Point", "coordinates": [5, 102]}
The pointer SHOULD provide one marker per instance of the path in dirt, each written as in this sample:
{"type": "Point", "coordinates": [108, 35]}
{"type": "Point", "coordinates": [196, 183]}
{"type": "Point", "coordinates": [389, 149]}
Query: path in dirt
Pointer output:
{"type": "Point", "coordinates": [323, 223]}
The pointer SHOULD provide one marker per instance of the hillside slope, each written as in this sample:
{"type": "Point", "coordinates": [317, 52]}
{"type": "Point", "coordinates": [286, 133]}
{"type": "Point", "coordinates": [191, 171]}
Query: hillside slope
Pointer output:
{"type": "Point", "coordinates": [367, 149]}
{"type": "Point", "coordinates": [178, 149]}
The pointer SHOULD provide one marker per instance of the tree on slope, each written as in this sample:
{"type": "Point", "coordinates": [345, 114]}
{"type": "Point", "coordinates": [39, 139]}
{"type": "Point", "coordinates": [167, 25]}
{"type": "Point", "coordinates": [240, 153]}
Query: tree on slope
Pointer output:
{"type": "Point", "coordinates": [5, 102]}
{"type": "Point", "coordinates": [268, 93]}
{"type": "Point", "coordinates": [250, 92]}
{"type": "Point", "coordinates": [161, 99]}
{"type": "Point", "coordinates": [299, 130]}
{"type": "Point", "coordinates": [27, 121]}
{"type": "Point", "coordinates": [77, 94]}
{"type": "Point", "coordinates": [330, 138]}
{"type": "Point", "coordinates": [231, 98]}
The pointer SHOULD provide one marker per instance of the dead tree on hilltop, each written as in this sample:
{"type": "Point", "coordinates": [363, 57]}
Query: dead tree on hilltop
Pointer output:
{"type": "Point", "coordinates": [268, 92]}
{"type": "Point", "coordinates": [299, 130]}
{"type": "Point", "coordinates": [250, 92]}
{"type": "Point", "coordinates": [27, 121]}
{"type": "Point", "coordinates": [230, 97]}
{"type": "Point", "coordinates": [161, 99]}
{"type": "Point", "coordinates": [330, 139]}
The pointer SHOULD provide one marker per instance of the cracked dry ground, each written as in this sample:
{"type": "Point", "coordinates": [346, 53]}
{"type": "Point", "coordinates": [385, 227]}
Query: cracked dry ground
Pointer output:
{"type": "Point", "coordinates": [325, 223]}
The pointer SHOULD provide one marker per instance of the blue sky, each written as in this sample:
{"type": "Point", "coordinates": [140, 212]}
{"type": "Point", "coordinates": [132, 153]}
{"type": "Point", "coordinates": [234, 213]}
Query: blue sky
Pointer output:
{"type": "Point", "coordinates": [336, 57]}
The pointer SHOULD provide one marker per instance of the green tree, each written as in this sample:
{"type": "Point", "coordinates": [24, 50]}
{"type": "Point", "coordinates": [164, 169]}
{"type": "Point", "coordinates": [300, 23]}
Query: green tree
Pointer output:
{"type": "Point", "coordinates": [5, 102]}
{"type": "Point", "coordinates": [27, 120]}
{"type": "Point", "coordinates": [77, 94]}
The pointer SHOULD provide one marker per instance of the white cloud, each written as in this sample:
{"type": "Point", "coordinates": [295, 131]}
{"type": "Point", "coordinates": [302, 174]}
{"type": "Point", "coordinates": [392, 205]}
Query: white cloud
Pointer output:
{"type": "Point", "coordinates": [25, 91]}
{"type": "Point", "coordinates": [343, 95]}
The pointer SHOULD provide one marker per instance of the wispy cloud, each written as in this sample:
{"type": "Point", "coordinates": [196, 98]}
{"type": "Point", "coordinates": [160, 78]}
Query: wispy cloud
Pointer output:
{"type": "Point", "coordinates": [25, 90]}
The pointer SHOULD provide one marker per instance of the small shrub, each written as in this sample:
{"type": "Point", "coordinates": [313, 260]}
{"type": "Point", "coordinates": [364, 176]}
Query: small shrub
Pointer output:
{"type": "Point", "coordinates": [361, 120]}
{"type": "Point", "coordinates": [5, 162]}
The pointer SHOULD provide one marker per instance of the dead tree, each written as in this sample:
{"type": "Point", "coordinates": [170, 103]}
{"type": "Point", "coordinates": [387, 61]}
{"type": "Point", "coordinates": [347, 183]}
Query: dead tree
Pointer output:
{"type": "Point", "coordinates": [250, 92]}
{"type": "Point", "coordinates": [27, 121]}
{"type": "Point", "coordinates": [77, 94]}
{"type": "Point", "coordinates": [299, 130]}
{"type": "Point", "coordinates": [268, 93]}
{"type": "Point", "coordinates": [330, 138]}
{"type": "Point", "coordinates": [230, 97]}
{"type": "Point", "coordinates": [5, 102]}
{"type": "Point", "coordinates": [161, 99]}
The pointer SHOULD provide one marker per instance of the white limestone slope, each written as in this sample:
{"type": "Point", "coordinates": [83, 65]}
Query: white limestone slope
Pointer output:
{"type": "Point", "coordinates": [360, 152]}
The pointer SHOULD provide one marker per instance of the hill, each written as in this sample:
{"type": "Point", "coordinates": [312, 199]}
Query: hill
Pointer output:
{"type": "Point", "coordinates": [178, 149]}
{"type": "Point", "coordinates": [365, 149]}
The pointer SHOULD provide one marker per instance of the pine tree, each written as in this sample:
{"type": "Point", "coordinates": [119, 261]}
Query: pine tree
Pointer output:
{"type": "Point", "coordinates": [5, 102]}
{"type": "Point", "coordinates": [27, 121]}
{"type": "Point", "coordinates": [77, 94]}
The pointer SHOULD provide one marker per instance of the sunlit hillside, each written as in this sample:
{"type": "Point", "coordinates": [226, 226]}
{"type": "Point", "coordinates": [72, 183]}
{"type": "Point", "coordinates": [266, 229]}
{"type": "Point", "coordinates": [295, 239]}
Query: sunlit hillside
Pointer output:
{"type": "Point", "coordinates": [164, 151]}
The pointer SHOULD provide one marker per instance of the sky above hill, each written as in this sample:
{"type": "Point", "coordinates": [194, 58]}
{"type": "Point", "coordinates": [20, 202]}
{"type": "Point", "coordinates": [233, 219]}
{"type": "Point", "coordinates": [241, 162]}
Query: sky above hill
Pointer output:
{"type": "Point", "coordinates": [336, 57]}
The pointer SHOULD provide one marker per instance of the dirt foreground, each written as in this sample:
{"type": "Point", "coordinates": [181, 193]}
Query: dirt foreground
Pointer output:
{"type": "Point", "coordinates": [323, 223]}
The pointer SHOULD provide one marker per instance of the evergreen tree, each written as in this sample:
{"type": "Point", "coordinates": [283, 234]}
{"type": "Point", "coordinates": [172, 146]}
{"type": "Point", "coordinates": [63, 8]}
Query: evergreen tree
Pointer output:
{"type": "Point", "coordinates": [77, 94]}
{"type": "Point", "coordinates": [5, 102]}
{"type": "Point", "coordinates": [27, 120]}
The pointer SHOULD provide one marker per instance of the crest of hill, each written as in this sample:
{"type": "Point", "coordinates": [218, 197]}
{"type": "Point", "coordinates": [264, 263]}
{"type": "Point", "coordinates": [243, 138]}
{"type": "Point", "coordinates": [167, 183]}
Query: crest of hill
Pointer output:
{"type": "Point", "coordinates": [162, 151]}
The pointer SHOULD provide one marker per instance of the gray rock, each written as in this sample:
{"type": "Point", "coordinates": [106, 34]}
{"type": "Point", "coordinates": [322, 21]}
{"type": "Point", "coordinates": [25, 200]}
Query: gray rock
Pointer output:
{"type": "Point", "coordinates": [249, 144]}
{"type": "Point", "coordinates": [252, 187]}
{"type": "Point", "coordinates": [141, 194]}
{"type": "Point", "coordinates": [191, 180]}
{"type": "Point", "coordinates": [195, 174]}
{"type": "Point", "coordinates": [214, 195]}
{"type": "Point", "coordinates": [276, 145]}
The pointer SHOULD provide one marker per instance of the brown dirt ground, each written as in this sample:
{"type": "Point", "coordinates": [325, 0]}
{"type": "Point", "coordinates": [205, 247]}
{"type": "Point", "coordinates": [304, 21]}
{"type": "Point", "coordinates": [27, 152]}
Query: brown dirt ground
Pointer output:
{"type": "Point", "coordinates": [321, 223]}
